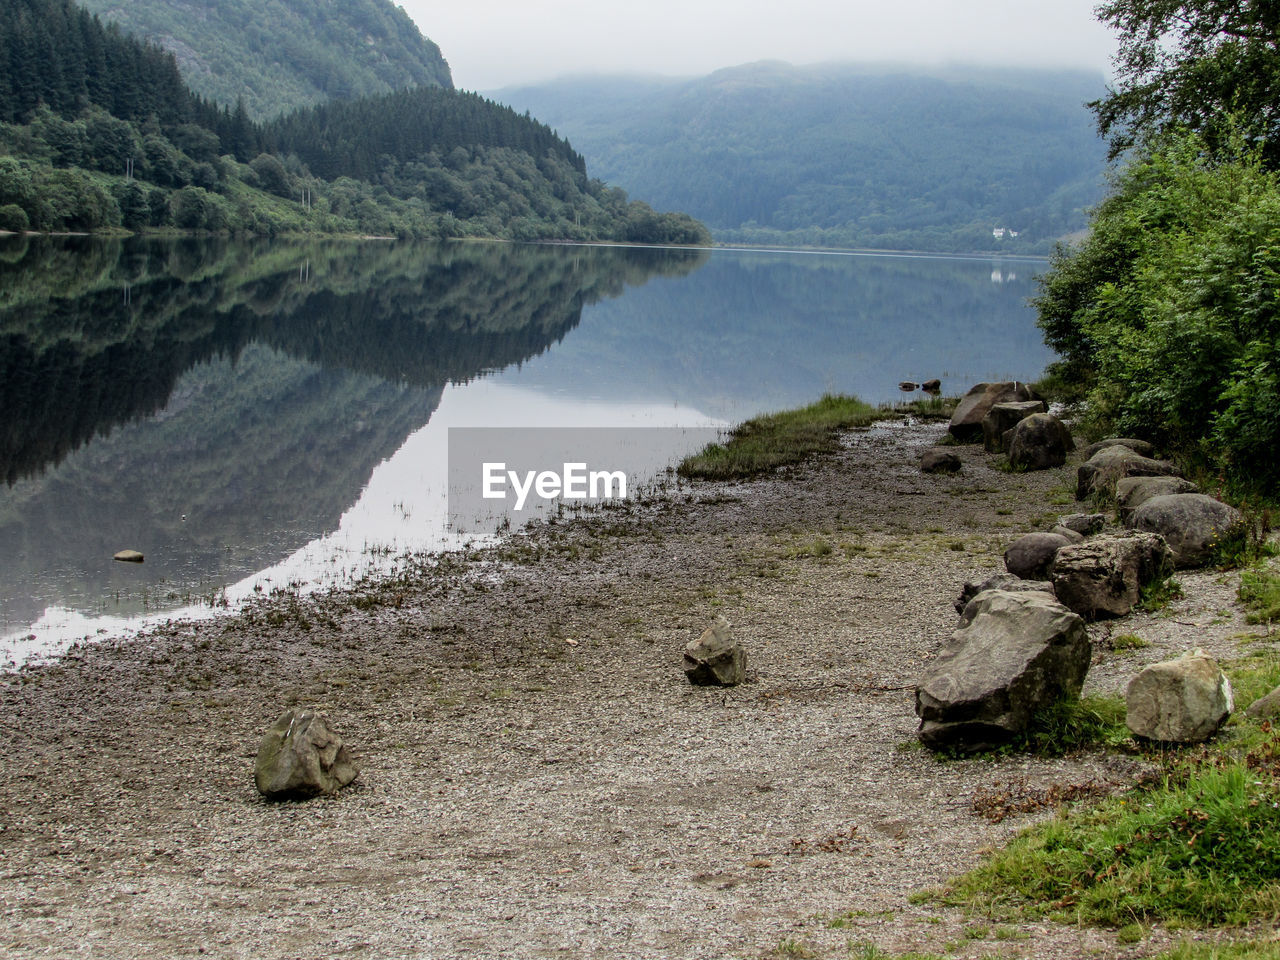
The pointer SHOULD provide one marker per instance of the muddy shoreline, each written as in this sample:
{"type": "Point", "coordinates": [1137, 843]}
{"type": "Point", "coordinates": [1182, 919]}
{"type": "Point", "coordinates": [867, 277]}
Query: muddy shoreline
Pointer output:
{"type": "Point", "coordinates": [537, 777]}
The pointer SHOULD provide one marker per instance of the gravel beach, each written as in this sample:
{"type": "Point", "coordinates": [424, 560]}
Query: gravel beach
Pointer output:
{"type": "Point", "coordinates": [538, 779]}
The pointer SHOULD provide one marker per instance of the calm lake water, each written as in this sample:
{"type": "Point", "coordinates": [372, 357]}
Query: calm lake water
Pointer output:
{"type": "Point", "coordinates": [260, 415]}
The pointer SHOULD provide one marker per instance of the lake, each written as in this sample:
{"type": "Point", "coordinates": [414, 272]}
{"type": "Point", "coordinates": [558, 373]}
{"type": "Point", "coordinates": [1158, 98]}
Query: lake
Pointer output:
{"type": "Point", "coordinates": [262, 415]}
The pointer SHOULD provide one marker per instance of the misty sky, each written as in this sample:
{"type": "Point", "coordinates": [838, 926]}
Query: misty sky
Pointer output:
{"type": "Point", "coordinates": [495, 43]}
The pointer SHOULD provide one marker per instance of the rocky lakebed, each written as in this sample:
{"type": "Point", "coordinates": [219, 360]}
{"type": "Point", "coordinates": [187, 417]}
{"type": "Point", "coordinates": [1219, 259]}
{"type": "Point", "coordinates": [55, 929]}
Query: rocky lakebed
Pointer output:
{"type": "Point", "coordinates": [538, 778]}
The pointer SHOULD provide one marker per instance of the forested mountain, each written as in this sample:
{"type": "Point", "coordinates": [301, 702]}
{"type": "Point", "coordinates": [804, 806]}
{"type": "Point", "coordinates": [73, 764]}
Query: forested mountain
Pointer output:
{"type": "Point", "coordinates": [97, 130]}
{"type": "Point", "coordinates": [845, 155]}
{"type": "Point", "coordinates": [277, 55]}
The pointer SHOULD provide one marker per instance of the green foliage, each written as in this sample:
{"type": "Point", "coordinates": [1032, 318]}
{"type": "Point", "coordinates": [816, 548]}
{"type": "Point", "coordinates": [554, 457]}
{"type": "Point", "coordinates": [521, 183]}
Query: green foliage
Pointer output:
{"type": "Point", "coordinates": [1200, 850]}
{"type": "Point", "coordinates": [779, 439]}
{"type": "Point", "coordinates": [428, 162]}
{"type": "Point", "coordinates": [1193, 64]}
{"type": "Point", "coordinates": [1171, 308]}
{"type": "Point", "coordinates": [843, 156]}
{"type": "Point", "coordinates": [1260, 593]}
{"type": "Point", "coordinates": [13, 218]}
{"type": "Point", "coordinates": [277, 55]}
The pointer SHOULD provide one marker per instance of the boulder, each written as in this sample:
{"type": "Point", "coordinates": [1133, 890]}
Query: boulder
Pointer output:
{"type": "Point", "coordinates": [300, 757]}
{"type": "Point", "coordinates": [966, 422]}
{"type": "Point", "coordinates": [1074, 536]}
{"type": "Point", "coordinates": [1019, 652]}
{"type": "Point", "coordinates": [932, 386]}
{"type": "Point", "coordinates": [1105, 576]}
{"type": "Point", "coordinates": [1100, 472]}
{"type": "Point", "coordinates": [1140, 447]}
{"type": "Point", "coordinates": [1085, 524]}
{"type": "Point", "coordinates": [1182, 701]}
{"type": "Point", "coordinates": [1031, 555]}
{"type": "Point", "coordinates": [1040, 442]}
{"type": "Point", "coordinates": [1193, 525]}
{"type": "Point", "coordinates": [939, 461]}
{"type": "Point", "coordinates": [1266, 707]}
{"type": "Point", "coordinates": [715, 658]}
{"type": "Point", "coordinates": [1133, 492]}
{"type": "Point", "coordinates": [128, 556]}
{"type": "Point", "coordinates": [1003, 417]}
{"type": "Point", "coordinates": [1001, 581]}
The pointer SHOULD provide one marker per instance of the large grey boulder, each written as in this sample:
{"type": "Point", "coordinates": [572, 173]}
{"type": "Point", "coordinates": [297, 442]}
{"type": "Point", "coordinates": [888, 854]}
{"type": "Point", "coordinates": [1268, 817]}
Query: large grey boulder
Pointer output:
{"type": "Point", "coordinates": [1040, 442]}
{"type": "Point", "coordinates": [1140, 447]}
{"type": "Point", "coordinates": [1183, 701]}
{"type": "Point", "coordinates": [1031, 555]}
{"type": "Point", "coordinates": [1000, 581]}
{"type": "Point", "coordinates": [301, 757]}
{"type": "Point", "coordinates": [1074, 536]}
{"type": "Point", "coordinates": [1018, 653]}
{"type": "Point", "coordinates": [1193, 525]}
{"type": "Point", "coordinates": [1100, 473]}
{"type": "Point", "coordinates": [1003, 417]}
{"type": "Point", "coordinates": [966, 421]}
{"type": "Point", "coordinates": [1105, 576]}
{"type": "Point", "coordinates": [1133, 492]}
{"type": "Point", "coordinates": [715, 658]}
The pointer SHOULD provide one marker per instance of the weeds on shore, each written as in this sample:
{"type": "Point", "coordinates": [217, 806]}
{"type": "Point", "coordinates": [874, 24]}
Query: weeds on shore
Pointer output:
{"type": "Point", "coordinates": [773, 440]}
{"type": "Point", "coordinates": [1198, 846]}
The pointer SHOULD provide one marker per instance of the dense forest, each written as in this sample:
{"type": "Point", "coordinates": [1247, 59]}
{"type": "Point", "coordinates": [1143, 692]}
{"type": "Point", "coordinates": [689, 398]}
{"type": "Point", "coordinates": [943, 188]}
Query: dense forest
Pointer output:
{"type": "Point", "coordinates": [98, 131]}
{"type": "Point", "coordinates": [1168, 315]}
{"type": "Point", "coordinates": [277, 55]}
{"type": "Point", "coordinates": [846, 155]}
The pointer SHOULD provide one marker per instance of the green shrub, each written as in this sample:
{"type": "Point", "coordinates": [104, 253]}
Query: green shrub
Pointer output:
{"type": "Point", "coordinates": [13, 218]}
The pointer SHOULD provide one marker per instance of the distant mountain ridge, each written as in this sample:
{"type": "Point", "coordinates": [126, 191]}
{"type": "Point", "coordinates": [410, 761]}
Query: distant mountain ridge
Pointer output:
{"type": "Point", "coordinates": [280, 54]}
{"type": "Point", "coordinates": [844, 154]}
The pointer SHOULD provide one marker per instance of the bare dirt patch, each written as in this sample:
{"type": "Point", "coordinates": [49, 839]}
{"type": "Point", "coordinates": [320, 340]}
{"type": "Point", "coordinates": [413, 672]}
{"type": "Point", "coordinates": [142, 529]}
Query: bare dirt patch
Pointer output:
{"type": "Point", "coordinates": [538, 778]}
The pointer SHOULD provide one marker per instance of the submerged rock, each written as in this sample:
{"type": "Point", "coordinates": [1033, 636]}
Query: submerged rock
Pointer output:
{"type": "Point", "coordinates": [128, 556]}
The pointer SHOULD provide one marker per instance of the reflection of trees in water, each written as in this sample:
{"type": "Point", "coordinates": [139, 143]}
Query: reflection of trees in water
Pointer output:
{"type": "Point", "coordinates": [94, 334]}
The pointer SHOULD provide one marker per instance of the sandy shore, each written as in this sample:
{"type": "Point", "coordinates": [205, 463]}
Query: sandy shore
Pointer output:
{"type": "Point", "coordinates": [538, 778]}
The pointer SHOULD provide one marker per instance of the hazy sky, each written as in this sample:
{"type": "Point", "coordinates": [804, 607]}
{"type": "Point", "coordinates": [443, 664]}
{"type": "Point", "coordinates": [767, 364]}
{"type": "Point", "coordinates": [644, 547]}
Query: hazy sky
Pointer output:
{"type": "Point", "coordinates": [494, 43]}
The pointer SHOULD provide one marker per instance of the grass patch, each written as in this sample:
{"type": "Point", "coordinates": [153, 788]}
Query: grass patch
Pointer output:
{"type": "Point", "coordinates": [1073, 724]}
{"type": "Point", "coordinates": [1200, 848]}
{"type": "Point", "coordinates": [1260, 594]}
{"type": "Point", "coordinates": [774, 440]}
{"type": "Point", "coordinates": [1128, 641]}
{"type": "Point", "coordinates": [1157, 596]}
{"type": "Point", "coordinates": [1248, 950]}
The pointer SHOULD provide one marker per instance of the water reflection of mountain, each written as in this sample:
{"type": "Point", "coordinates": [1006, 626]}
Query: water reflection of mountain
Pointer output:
{"type": "Point", "coordinates": [219, 405]}
{"type": "Point", "coordinates": [84, 350]}
{"type": "Point", "coordinates": [852, 324]}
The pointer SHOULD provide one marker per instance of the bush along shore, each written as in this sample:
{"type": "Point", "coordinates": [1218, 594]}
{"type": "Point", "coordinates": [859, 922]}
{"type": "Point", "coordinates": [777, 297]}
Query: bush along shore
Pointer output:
{"type": "Point", "coordinates": [513, 732]}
